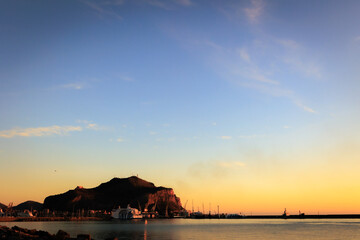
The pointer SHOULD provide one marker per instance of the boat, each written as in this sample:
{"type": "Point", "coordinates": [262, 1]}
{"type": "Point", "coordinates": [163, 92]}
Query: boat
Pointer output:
{"type": "Point", "coordinates": [25, 213]}
{"type": "Point", "coordinates": [197, 214]}
{"type": "Point", "coordinates": [234, 215]}
{"type": "Point", "coordinates": [126, 213]}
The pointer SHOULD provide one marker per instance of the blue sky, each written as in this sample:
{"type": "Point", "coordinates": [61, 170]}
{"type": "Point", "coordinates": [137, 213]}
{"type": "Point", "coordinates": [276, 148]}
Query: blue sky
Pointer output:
{"type": "Point", "coordinates": [181, 93]}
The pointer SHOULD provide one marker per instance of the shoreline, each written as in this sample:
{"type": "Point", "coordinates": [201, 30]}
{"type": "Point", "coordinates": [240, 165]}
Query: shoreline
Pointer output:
{"type": "Point", "coordinates": [75, 219]}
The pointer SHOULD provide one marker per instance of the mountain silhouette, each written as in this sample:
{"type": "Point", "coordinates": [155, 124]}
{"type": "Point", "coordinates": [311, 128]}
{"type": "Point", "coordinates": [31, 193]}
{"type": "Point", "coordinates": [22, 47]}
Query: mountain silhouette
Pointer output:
{"type": "Point", "coordinates": [132, 191]}
{"type": "Point", "coordinates": [28, 205]}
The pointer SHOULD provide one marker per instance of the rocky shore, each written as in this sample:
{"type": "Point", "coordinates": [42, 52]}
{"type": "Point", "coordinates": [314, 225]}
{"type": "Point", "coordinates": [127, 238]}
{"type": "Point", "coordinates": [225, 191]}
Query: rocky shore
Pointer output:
{"type": "Point", "coordinates": [17, 233]}
{"type": "Point", "coordinates": [52, 219]}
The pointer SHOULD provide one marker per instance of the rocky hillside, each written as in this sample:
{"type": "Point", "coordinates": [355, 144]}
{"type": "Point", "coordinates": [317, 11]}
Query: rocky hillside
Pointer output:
{"type": "Point", "coordinates": [28, 205]}
{"type": "Point", "coordinates": [117, 192]}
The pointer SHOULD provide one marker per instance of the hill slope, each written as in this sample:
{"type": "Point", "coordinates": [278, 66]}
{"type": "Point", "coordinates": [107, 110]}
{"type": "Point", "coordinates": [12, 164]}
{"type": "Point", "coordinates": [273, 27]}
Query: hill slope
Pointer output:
{"type": "Point", "coordinates": [28, 205]}
{"type": "Point", "coordinates": [3, 206]}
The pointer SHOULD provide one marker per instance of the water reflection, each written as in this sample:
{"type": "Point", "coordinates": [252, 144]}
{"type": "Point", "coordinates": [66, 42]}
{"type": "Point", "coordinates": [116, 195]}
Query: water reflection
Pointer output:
{"type": "Point", "coordinates": [179, 229]}
{"type": "Point", "coordinates": [145, 230]}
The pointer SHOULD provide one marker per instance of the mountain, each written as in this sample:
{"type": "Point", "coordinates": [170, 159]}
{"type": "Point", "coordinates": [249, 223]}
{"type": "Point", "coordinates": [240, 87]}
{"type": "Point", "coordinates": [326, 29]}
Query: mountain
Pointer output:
{"type": "Point", "coordinates": [117, 192]}
{"type": "Point", "coordinates": [28, 205]}
{"type": "Point", "coordinates": [3, 206]}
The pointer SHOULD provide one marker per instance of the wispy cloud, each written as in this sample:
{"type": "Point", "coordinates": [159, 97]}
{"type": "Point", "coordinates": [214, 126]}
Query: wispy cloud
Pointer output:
{"type": "Point", "coordinates": [288, 43]}
{"type": "Point", "coordinates": [114, 2]}
{"type": "Point", "coordinates": [256, 74]}
{"type": "Point", "coordinates": [120, 140]}
{"type": "Point", "coordinates": [251, 136]}
{"type": "Point", "coordinates": [126, 78]}
{"type": "Point", "coordinates": [239, 64]}
{"type": "Point", "coordinates": [243, 66]}
{"type": "Point", "coordinates": [230, 164]}
{"type": "Point", "coordinates": [244, 54]}
{"type": "Point", "coordinates": [75, 86]}
{"type": "Point", "coordinates": [255, 11]}
{"type": "Point", "coordinates": [91, 125]}
{"type": "Point", "coordinates": [226, 137]}
{"type": "Point", "coordinates": [277, 91]}
{"type": "Point", "coordinates": [357, 39]}
{"type": "Point", "coordinates": [169, 4]}
{"type": "Point", "coordinates": [215, 168]}
{"type": "Point", "coordinates": [103, 8]}
{"type": "Point", "coordinates": [158, 3]}
{"type": "Point", "coordinates": [49, 130]}
{"type": "Point", "coordinates": [184, 2]}
{"type": "Point", "coordinates": [305, 108]}
{"type": "Point", "coordinates": [211, 44]}
{"type": "Point", "coordinates": [39, 131]}
{"type": "Point", "coordinates": [267, 64]}
{"type": "Point", "coordinates": [308, 68]}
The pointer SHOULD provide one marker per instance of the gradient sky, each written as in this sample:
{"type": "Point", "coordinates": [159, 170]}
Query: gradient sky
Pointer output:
{"type": "Point", "coordinates": [250, 105]}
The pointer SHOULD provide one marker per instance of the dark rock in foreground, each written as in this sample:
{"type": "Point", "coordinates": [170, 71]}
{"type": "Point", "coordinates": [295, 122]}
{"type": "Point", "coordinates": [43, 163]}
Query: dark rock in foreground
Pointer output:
{"type": "Point", "coordinates": [17, 233]}
{"type": "Point", "coordinates": [117, 192]}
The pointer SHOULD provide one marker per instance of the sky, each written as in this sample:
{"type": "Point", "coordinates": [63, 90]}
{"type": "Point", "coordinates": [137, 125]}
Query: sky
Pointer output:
{"type": "Point", "coordinates": [251, 105]}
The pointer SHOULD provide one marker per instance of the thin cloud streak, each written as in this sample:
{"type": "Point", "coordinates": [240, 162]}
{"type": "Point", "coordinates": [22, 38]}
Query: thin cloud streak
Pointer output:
{"type": "Point", "coordinates": [184, 2]}
{"type": "Point", "coordinates": [244, 55]}
{"type": "Point", "coordinates": [251, 136]}
{"type": "Point", "coordinates": [305, 108]}
{"type": "Point", "coordinates": [226, 137]}
{"type": "Point", "coordinates": [288, 43]}
{"type": "Point", "coordinates": [279, 92]}
{"type": "Point", "coordinates": [309, 69]}
{"type": "Point", "coordinates": [50, 130]}
{"type": "Point", "coordinates": [255, 11]}
{"type": "Point", "coordinates": [75, 86]}
{"type": "Point", "coordinates": [169, 5]}
{"type": "Point", "coordinates": [40, 131]}
{"type": "Point", "coordinates": [91, 125]}
{"type": "Point", "coordinates": [102, 11]}
{"type": "Point", "coordinates": [125, 78]}
{"type": "Point", "coordinates": [230, 164]}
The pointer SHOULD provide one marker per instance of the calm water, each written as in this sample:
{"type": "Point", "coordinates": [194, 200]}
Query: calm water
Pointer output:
{"type": "Point", "coordinates": [206, 229]}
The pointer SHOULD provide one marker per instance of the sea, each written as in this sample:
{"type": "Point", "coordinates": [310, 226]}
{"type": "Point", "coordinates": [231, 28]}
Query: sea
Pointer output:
{"type": "Point", "coordinates": [205, 228]}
